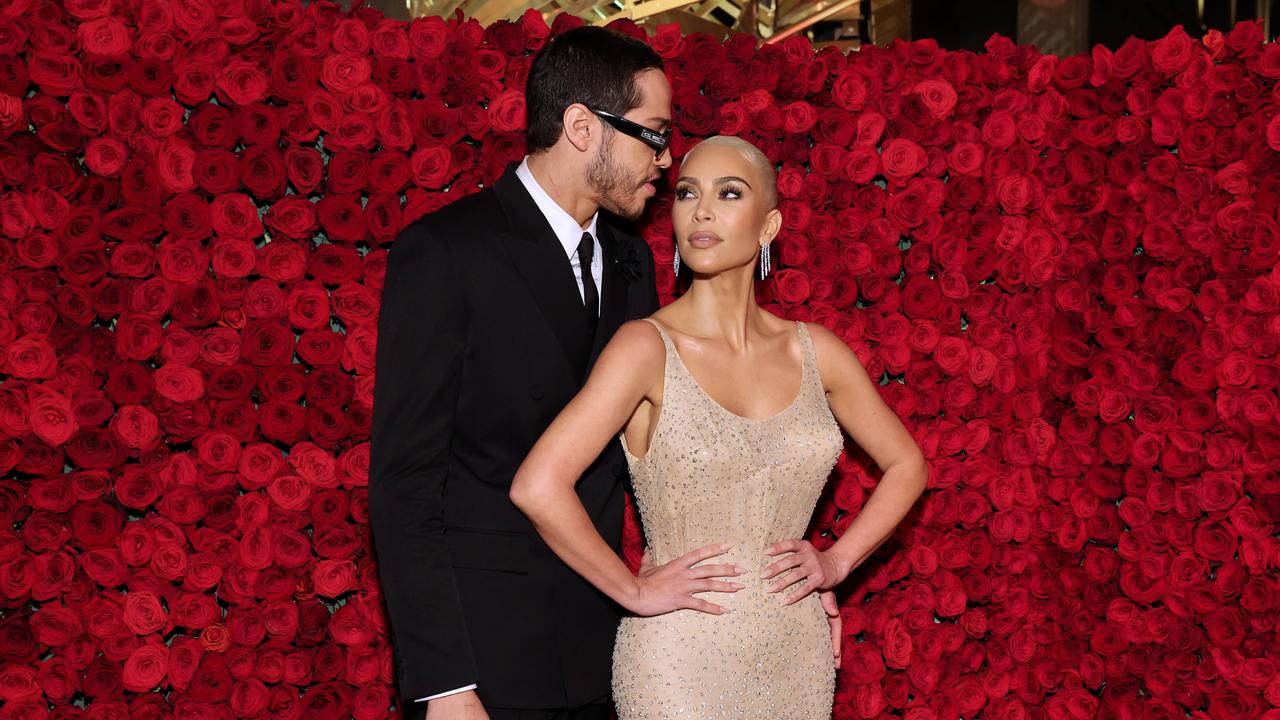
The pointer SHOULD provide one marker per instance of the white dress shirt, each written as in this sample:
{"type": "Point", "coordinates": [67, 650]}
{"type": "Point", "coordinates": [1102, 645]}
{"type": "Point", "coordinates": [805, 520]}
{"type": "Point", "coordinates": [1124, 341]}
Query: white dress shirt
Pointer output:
{"type": "Point", "coordinates": [567, 230]}
{"type": "Point", "coordinates": [569, 233]}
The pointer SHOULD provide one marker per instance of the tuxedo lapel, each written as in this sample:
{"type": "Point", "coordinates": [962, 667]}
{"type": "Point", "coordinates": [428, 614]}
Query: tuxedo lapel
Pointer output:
{"type": "Point", "coordinates": [541, 262]}
{"type": "Point", "coordinates": [613, 294]}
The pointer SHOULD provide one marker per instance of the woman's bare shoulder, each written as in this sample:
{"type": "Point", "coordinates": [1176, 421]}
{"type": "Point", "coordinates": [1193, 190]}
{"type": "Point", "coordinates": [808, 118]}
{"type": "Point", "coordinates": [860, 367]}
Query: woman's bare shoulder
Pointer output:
{"type": "Point", "coordinates": [638, 341]}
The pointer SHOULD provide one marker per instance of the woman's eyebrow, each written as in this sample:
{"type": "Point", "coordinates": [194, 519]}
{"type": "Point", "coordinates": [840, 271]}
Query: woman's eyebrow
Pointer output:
{"type": "Point", "coordinates": [718, 181]}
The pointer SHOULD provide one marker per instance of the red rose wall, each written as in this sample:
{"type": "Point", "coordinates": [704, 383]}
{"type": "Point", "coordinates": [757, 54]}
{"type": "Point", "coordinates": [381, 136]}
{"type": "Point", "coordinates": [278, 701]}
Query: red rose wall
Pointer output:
{"type": "Point", "coordinates": [1062, 269]}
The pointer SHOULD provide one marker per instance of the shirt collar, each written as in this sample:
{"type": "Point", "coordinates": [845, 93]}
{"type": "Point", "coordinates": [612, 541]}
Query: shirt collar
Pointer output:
{"type": "Point", "coordinates": [567, 230]}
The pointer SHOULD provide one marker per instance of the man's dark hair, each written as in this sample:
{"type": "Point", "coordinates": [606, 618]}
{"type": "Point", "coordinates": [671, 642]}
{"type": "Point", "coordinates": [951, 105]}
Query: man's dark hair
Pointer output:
{"type": "Point", "coordinates": [588, 65]}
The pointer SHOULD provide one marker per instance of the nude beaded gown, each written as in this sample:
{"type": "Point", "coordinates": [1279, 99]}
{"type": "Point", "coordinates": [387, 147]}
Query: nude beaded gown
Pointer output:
{"type": "Point", "coordinates": [711, 476]}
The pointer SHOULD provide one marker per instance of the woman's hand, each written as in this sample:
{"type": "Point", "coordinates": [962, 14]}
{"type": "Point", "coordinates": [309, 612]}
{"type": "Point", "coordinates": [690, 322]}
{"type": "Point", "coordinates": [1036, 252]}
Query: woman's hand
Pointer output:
{"type": "Point", "coordinates": [669, 587]}
{"type": "Point", "coordinates": [814, 569]}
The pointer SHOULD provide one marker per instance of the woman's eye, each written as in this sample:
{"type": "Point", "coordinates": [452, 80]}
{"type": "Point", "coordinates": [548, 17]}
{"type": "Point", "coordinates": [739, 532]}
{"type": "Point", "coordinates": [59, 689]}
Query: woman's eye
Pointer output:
{"type": "Point", "coordinates": [682, 193]}
{"type": "Point", "coordinates": [730, 193]}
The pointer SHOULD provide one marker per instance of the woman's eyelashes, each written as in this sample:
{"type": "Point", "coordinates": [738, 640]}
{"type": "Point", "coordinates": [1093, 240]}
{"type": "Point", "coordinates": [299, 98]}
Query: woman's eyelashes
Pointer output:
{"type": "Point", "coordinates": [726, 192]}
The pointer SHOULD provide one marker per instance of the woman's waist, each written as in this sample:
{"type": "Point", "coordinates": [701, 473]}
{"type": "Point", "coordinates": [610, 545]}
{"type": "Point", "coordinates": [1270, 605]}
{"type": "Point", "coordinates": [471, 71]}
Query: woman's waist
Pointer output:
{"type": "Point", "coordinates": [754, 604]}
{"type": "Point", "coordinates": [752, 554]}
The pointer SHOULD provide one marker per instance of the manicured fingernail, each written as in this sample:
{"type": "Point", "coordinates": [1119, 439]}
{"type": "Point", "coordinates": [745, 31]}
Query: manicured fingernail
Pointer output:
{"type": "Point", "coordinates": [741, 570]}
{"type": "Point", "coordinates": [737, 586]}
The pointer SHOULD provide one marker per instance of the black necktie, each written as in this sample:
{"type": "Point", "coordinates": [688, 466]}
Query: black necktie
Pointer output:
{"type": "Point", "coordinates": [590, 296]}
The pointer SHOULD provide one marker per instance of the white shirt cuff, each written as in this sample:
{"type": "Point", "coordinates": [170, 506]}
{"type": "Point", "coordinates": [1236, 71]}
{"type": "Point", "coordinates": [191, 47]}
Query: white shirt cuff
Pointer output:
{"type": "Point", "coordinates": [472, 686]}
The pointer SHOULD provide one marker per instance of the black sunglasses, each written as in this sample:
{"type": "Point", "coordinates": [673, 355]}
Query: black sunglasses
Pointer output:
{"type": "Point", "coordinates": [654, 139]}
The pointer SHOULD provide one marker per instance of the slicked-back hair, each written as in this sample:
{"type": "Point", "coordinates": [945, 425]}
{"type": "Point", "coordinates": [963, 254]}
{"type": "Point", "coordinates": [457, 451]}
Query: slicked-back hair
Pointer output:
{"type": "Point", "coordinates": [588, 65]}
{"type": "Point", "coordinates": [765, 169]}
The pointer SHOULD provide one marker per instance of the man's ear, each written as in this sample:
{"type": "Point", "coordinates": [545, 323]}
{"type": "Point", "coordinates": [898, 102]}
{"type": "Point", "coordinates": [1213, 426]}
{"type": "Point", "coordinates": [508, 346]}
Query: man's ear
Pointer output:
{"type": "Point", "coordinates": [580, 126]}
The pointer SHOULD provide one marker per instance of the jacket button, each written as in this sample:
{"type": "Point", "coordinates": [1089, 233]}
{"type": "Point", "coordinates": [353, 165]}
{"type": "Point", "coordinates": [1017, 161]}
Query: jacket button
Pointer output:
{"type": "Point", "coordinates": [536, 392]}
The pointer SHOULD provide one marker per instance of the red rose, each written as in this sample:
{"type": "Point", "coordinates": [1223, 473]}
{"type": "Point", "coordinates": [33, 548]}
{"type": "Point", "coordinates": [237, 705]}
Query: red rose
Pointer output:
{"type": "Point", "coordinates": [432, 167]}
{"type": "Point", "coordinates": [313, 464]}
{"type": "Point", "coordinates": [799, 117]}
{"type": "Point", "coordinates": [506, 112]}
{"type": "Point", "coordinates": [106, 156]}
{"type": "Point", "coordinates": [235, 215]}
{"type": "Point", "coordinates": [211, 682]}
{"type": "Point", "coordinates": [175, 166]}
{"type": "Point", "coordinates": [266, 343]}
{"type": "Point", "coordinates": [342, 218]}
{"type": "Point", "coordinates": [55, 625]}
{"type": "Point", "coordinates": [850, 90]}
{"type": "Point", "coordinates": [263, 172]}
{"type": "Point", "coordinates": [358, 352]}
{"type": "Point", "coordinates": [938, 96]}
{"type": "Point", "coordinates": [333, 578]}
{"type": "Point", "coordinates": [52, 418]}
{"type": "Point", "coordinates": [1170, 54]}
{"type": "Point", "coordinates": [143, 614]}
{"type": "Point", "coordinates": [30, 357]}
{"type": "Point", "coordinates": [282, 421]}
{"type": "Point", "coordinates": [146, 667]}
{"type": "Point", "coordinates": [216, 171]}
{"type": "Point", "coordinates": [55, 74]}
{"type": "Point", "coordinates": [902, 158]}
{"type": "Point", "coordinates": [321, 347]}
{"type": "Point", "coordinates": [249, 697]}
{"type": "Point", "coordinates": [428, 37]}
{"type": "Point", "coordinates": [241, 83]}
{"type": "Point", "coordinates": [999, 129]}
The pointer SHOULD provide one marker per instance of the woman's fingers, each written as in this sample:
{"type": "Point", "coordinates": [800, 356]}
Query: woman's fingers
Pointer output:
{"type": "Point", "coordinates": [706, 607]}
{"type": "Point", "coordinates": [706, 552]}
{"type": "Point", "coordinates": [803, 591]}
{"type": "Point", "coordinates": [716, 586]}
{"type": "Point", "coordinates": [782, 583]}
{"type": "Point", "coordinates": [782, 565]}
{"type": "Point", "coordinates": [706, 571]}
{"type": "Point", "coordinates": [786, 546]}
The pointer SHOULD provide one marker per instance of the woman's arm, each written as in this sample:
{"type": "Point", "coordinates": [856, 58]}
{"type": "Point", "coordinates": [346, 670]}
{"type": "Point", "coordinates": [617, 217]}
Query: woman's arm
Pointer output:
{"type": "Point", "coordinates": [857, 406]}
{"type": "Point", "coordinates": [629, 370]}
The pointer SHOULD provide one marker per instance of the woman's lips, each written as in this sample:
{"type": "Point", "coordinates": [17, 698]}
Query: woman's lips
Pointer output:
{"type": "Point", "coordinates": [703, 239]}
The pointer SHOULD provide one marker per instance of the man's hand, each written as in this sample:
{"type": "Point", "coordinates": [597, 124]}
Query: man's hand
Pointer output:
{"type": "Point", "coordinates": [830, 605]}
{"type": "Point", "coordinates": [458, 706]}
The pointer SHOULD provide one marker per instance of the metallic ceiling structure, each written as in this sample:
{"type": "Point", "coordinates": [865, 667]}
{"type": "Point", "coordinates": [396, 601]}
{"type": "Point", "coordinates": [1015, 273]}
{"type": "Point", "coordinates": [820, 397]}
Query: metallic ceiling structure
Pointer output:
{"type": "Point", "coordinates": [844, 23]}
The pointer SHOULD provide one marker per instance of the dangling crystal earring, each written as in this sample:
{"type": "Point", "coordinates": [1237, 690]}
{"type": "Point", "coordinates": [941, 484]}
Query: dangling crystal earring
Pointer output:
{"type": "Point", "coordinates": [765, 264]}
{"type": "Point", "coordinates": [676, 263]}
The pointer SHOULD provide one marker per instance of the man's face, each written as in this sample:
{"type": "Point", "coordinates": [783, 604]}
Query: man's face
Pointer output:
{"type": "Point", "coordinates": [623, 170]}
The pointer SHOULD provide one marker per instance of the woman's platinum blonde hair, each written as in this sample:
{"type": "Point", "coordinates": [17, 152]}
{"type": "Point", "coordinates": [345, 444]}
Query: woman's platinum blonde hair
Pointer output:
{"type": "Point", "coordinates": [764, 169]}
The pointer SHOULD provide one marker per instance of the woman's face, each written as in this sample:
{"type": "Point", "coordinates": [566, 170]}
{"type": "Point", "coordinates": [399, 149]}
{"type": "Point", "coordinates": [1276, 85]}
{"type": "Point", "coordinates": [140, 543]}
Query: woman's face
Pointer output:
{"type": "Point", "coordinates": [719, 213]}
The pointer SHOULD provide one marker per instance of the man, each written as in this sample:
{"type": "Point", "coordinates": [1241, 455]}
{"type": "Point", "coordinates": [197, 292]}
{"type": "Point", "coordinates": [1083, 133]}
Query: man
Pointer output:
{"type": "Point", "coordinates": [493, 310]}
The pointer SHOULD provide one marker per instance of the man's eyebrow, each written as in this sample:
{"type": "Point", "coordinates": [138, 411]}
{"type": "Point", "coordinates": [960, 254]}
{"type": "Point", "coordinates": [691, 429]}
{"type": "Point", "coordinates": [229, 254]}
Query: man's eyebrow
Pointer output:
{"type": "Point", "coordinates": [718, 181]}
{"type": "Point", "coordinates": [663, 121]}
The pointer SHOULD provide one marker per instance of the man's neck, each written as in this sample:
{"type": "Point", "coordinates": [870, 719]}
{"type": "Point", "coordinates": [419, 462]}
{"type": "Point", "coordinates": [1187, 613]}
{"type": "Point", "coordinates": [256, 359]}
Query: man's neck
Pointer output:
{"type": "Point", "coordinates": [564, 185]}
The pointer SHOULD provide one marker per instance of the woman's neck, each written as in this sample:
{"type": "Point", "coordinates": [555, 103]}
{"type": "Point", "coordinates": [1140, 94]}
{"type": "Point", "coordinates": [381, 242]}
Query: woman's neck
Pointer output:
{"type": "Point", "coordinates": [724, 305]}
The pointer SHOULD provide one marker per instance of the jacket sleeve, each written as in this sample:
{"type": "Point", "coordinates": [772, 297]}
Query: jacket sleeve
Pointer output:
{"type": "Point", "coordinates": [421, 344]}
{"type": "Point", "coordinates": [650, 279]}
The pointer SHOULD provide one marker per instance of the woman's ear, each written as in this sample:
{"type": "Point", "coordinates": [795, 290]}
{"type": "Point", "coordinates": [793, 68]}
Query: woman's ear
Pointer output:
{"type": "Point", "coordinates": [579, 126]}
{"type": "Point", "coordinates": [772, 224]}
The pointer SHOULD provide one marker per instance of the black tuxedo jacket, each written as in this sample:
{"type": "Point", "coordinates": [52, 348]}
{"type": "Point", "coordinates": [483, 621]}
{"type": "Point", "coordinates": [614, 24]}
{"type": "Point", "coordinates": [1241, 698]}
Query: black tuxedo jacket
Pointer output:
{"type": "Point", "coordinates": [482, 340]}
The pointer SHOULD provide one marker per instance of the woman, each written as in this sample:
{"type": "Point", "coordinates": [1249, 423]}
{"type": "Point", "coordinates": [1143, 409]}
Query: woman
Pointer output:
{"type": "Point", "coordinates": [731, 420]}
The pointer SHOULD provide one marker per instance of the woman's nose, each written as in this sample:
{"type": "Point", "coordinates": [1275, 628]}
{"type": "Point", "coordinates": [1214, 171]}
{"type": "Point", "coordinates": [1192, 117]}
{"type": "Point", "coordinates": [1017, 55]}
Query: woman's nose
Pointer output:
{"type": "Point", "coordinates": [702, 211]}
